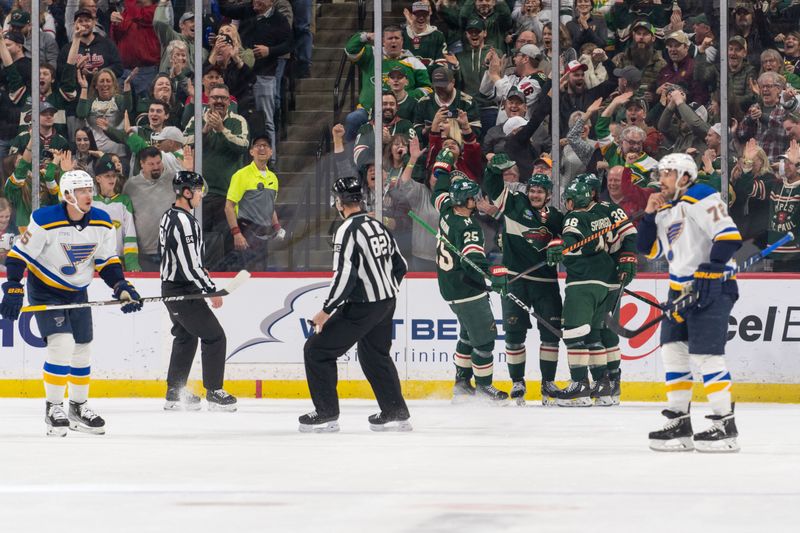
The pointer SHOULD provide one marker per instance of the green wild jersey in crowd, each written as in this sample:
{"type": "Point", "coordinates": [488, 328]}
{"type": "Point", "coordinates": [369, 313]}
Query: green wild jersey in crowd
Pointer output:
{"type": "Point", "coordinates": [458, 281]}
{"type": "Point", "coordinates": [591, 262]}
{"type": "Point", "coordinates": [526, 231]}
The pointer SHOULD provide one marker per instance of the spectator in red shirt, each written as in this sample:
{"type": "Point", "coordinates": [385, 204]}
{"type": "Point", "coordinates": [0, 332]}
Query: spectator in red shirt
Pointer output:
{"type": "Point", "coordinates": [132, 31]}
{"type": "Point", "coordinates": [680, 69]}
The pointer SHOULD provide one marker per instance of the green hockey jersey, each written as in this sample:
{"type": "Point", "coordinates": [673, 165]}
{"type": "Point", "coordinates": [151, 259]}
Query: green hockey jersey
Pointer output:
{"type": "Point", "coordinates": [591, 263]}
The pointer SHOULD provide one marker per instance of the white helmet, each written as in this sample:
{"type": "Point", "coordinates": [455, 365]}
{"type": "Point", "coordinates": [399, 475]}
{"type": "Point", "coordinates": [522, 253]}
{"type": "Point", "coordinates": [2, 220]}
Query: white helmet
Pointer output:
{"type": "Point", "coordinates": [72, 180]}
{"type": "Point", "coordinates": [683, 163]}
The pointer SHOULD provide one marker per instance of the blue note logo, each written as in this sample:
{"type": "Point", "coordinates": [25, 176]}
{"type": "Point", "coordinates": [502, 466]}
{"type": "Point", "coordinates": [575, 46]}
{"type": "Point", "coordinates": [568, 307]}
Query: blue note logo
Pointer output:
{"type": "Point", "coordinates": [76, 254]}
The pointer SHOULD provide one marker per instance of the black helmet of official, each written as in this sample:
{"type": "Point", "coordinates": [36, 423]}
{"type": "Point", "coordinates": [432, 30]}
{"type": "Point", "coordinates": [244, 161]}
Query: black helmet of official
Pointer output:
{"type": "Point", "coordinates": [348, 190]}
{"type": "Point", "coordinates": [186, 179]}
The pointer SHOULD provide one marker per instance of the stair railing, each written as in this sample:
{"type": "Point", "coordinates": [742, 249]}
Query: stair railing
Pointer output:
{"type": "Point", "coordinates": [342, 89]}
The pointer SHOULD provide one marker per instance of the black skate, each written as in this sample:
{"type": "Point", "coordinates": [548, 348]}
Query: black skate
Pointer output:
{"type": "Point", "coordinates": [390, 421]}
{"type": "Point", "coordinates": [83, 419]}
{"type": "Point", "coordinates": [56, 420]}
{"type": "Point", "coordinates": [219, 400]}
{"type": "Point", "coordinates": [463, 391]}
{"type": "Point", "coordinates": [315, 423]}
{"type": "Point", "coordinates": [676, 435]}
{"type": "Point", "coordinates": [577, 394]}
{"type": "Point", "coordinates": [518, 391]}
{"type": "Point", "coordinates": [181, 399]}
{"type": "Point", "coordinates": [615, 378]}
{"type": "Point", "coordinates": [720, 437]}
{"type": "Point", "coordinates": [550, 392]}
{"type": "Point", "coordinates": [491, 394]}
{"type": "Point", "coordinates": [601, 392]}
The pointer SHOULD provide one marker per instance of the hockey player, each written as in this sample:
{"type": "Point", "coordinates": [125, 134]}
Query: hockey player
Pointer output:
{"type": "Point", "coordinates": [62, 247]}
{"type": "Point", "coordinates": [530, 228]}
{"type": "Point", "coordinates": [604, 364]}
{"type": "Point", "coordinates": [462, 287]}
{"type": "Point", "coordinates": [591, 275]}
{"type": "Point", "coordinates": [689, 224]}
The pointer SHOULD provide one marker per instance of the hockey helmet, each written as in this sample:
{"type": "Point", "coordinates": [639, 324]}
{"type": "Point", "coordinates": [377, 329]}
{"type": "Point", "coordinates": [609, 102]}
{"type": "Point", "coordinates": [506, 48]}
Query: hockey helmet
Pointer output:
{"type": "Point", "coordinates": [579, 192]}
{"type": "Point", "coordinates": [186, 179]}
{"type": "Point", "coordinates": [591, 180]}
{"type": "Point", "coordinates": [540, 180]}
{"type": "Point", "coordinates": [348, 190]}
{"type": "Point", "coordinates": [462, 189]}
{"type": "Point", "coordinates": [75, 179]}
{"type": "Point", "coordinates": [682, 163]}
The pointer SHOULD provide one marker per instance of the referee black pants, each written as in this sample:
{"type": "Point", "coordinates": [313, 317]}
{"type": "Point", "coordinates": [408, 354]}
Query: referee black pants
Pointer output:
{"type": "Point", "coordinates": [193, 320]}
{"type": "Point", "coordinates": [369, 325]}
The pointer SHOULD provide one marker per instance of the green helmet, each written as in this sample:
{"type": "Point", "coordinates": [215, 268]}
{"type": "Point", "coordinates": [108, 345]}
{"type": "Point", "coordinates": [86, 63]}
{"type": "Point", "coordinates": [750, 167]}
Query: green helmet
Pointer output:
{"type": "Point", "coordinates": [591, 180]}
{"type": "Point", "coordinates": [579, 192]}
{"type": "Point", "coordinates": [540, 180]}
{"type": "Point", "coordinates": [462, 190]}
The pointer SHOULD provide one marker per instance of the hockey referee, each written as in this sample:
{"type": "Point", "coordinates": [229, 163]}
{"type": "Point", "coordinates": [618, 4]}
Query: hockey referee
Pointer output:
{"type": "Point", "coordinates": [180, 244]}
{"type": "Point", "coordinates": [367, 271]}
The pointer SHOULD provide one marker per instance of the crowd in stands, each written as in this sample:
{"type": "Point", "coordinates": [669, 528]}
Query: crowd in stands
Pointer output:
{"type": "Point", "coordinates": [637, 79]}
{"type": "Point", "coordinates": [118, 101]}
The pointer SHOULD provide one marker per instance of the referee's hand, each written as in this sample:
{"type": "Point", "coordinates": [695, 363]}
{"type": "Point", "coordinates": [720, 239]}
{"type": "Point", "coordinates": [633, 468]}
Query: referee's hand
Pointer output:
{"type": "Point", "coordinates": [319, 320]}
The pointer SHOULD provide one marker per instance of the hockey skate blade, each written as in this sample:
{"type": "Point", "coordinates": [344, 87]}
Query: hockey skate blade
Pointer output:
{"type": "Point", "coordinates": [180, 406]}
{"type": "Point", "coordinates": [549, 402]}
{"type": "Point", "coordinates": [328, 427]}
{"type": "Point", "coordinates": [397, 425]}
{"type": "Point", "coordinates": [519, 402]}
{"type": "Point", "coordinates": [575, 402]}
{"type": "Point", "coordinates": [604, 401]}
{"type": "Point", "coordinates": [56, 431]}
{"type": "Point", "coordinates": [82, 428]}
{"type": "Point", "coordinates": [717, 446]}
{"type": "Point", "coordinates": [682, 444]}
{"type": "Point", "coordinates": [222, 408]}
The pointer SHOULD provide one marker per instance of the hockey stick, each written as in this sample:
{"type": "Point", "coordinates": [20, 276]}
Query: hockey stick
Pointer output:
{"type": "Point", "coordinates": [690, 299]}
{"type": "Point", "coordinates": [234, 284]}
{"type": "Point", "coordinates": [636, 216]}
{"type": "Point", "coordinates": [643, 299]}
{"type": "Point", "coordinates": [554, 330]}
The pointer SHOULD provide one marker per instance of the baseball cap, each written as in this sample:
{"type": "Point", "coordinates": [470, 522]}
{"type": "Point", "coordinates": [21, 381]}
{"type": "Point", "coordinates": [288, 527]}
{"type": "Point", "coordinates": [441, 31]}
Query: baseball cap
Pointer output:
{"type": "Point", "coordinates": [746, 6]}
{"type": "Point", "coordinates": [19, 18]}
{"type": "Point", "coordinates": [699, 19]}
{"type": "Point", "coordinates": [169, 133]}
{"type": "Point", "coordinates": [83, 13]}
{"type": "Point", "coordinates": [546, 160]}
{"type": "Point", "coordinates": [441, 77]}
{"type": "Point", "coordinates": [637, 102]}
{"type": "Point", "coordinates": [575, 65]}
{"type": "Point", "coordinates": [209, 67]}
{"type": "Point", "coordinates": [642, 24]}
{"type": "Point", "coordinates": [103, 165]}
{"type": "Point", "coordinates": [717, 128]}
{"type": "Point", "coordinates": [513, 123]}
{"type": "Point", "coordinates": [46, 107]}
{"type": "Point", "coordinates": [186, 16]}
{"type": "Point", "coordinates": [530, 50]}
{"type": "Point", "coordinates": [738, 39]}
{"type": "Point", "coordinates": [397, 69]}
{"type": "Point", "coordinates": [515, 92]}
{"type": "Point", "coordinates": [632, 74]}
{"type": "Point", "coordinates": [260, 137]}
{"type": "Point", "coordinates": [15, 36]}
{"type": "Point", "coordinates": [475, 24]}
{"type": "Point", "coordinates": [678, 36]}
{"type": "Point", "coordinates": [420, 6]}
{"type": "Point", "coordinates": [700, 110]}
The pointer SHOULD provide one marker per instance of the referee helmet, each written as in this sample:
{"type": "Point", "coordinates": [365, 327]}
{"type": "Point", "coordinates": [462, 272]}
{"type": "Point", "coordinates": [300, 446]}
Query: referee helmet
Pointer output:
{"type": "Point", "coordinates": [186, 179]}
{"type": "Point", "coordinates": [348, 190]}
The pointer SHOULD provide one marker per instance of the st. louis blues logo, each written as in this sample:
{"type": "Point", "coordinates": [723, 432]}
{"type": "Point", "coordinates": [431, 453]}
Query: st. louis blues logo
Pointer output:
{"type": "Point", "coordinates": [76, 254]}
{"type": "Point", "coordinates": [673, 232]}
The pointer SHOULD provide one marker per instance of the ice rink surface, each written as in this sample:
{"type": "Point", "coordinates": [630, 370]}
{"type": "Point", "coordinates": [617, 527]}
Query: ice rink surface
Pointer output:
{"type": "Point", "coordinates": [463, 469]}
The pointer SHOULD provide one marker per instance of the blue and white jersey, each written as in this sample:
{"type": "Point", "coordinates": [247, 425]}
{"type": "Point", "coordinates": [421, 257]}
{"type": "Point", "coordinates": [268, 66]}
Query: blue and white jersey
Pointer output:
{"type": "Point", "coordinates": [62, 255]}
{"type": "Point", "coordinates": [688, 228]}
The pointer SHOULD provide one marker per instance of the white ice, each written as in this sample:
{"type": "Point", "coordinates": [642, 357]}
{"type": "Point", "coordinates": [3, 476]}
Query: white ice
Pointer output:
{"type": "Point", "coordinates": [463, 469]}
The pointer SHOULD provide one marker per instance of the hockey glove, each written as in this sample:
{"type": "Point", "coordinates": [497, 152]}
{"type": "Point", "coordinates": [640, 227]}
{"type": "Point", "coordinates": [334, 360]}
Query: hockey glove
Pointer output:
{"type": "Point", "coordinates": [445, 161]}
{"type": "Point", "coordinates": [13, 295]}
{"type": "Point", "coordinates": [708, 283]}
{"type": "Point", "coordinates": [626, 268]}
{"type": "Point", "coordinates": [125, 292]}
{"type": "Point", "coordinates": [555, 252]}
{"type": "Point", "coordinates": [501, 162]}
{"type": "Point", "coordinates": [498, 279]}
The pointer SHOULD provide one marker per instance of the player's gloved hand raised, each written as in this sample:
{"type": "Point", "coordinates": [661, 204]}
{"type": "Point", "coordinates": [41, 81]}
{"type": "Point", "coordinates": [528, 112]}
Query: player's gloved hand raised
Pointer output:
{"type": "Point", "coordinates": [499, 279]}
{"type": "Point", "coordinates": [445, 161]}
{"type": "Point", "coordinates": [708, 283]}
{"type": "Point", "coordinates": [626, 268]}
{"type": "Point", "coordinates": [13, 295]}
{"type": "Point", "coordinates": [555, 252]}
{"type": "Point", "coordinates": [501, 162]}
{"type": "Point", "coordinates": [125, 292]}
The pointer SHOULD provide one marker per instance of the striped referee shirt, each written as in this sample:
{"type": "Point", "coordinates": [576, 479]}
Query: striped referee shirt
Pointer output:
{"type": "Point", "coordinates": [180, 243]}
{"type": "Point", "coordinates": [367, 265]}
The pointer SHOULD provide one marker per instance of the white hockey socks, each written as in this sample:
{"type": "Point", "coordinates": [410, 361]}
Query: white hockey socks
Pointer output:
{"type": "Point", "coordinates": [716, 381]}
{"type": "Point", "coordinates": [60, 348]}
{"type": "Point", "coordinates": [79, 372]}
{"type": "Point", "coordinates": [678, 375]}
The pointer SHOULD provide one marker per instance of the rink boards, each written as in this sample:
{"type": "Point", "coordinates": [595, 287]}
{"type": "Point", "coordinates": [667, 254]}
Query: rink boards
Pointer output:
{"type": "Point", "coordinates": [266, 329]}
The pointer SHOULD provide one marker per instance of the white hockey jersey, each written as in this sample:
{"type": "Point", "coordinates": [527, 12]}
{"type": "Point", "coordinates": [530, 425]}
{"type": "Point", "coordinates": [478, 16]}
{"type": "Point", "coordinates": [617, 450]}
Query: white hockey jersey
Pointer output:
{"type": "Point", "coordinates": [64, 256]}
{"type": "Point", "coordinates": [688, 228]}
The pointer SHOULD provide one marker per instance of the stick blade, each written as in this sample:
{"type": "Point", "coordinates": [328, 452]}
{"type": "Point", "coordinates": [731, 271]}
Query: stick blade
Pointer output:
{"type": "Point", "coordinates": [237, 281]}
{"type": "Point", "coordinates": [617, 328]}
